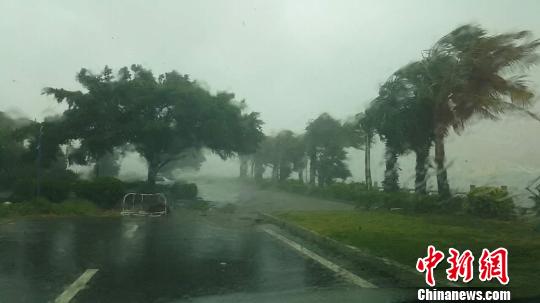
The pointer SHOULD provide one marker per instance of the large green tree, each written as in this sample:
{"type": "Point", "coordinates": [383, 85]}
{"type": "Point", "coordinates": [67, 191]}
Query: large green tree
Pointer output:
{"type": "Point", "coordinates": [160, 117]}
{"type": "Point", "coordinates": [284, 153]}
{"type": "Point", "coordinates": [326, 140]}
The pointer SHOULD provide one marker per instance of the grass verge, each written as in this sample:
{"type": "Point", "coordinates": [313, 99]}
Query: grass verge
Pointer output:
{"type": "Point", "coordinates": [404, 238]}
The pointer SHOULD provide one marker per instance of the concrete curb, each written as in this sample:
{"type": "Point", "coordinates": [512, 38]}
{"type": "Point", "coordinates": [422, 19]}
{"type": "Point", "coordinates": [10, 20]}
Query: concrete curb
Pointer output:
{"type": "Point", "coordinates": [403, 274]}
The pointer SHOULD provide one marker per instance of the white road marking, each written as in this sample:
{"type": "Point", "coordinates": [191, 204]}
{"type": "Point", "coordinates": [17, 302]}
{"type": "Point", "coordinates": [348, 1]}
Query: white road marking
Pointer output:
{"type": "Point", "coordinates": [347, 275]}
{"type": "Point", "coordinates": [72, 290]}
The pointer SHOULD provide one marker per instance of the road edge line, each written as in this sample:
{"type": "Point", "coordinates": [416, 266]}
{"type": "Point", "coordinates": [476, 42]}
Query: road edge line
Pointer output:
{"type": "Point", "coordinates": [71, 291]}
{"type": "Point", "coordinates": [347, 275]}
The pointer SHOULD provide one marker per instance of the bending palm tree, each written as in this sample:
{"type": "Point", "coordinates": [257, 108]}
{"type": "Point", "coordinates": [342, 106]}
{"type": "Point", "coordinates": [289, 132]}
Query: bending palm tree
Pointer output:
{"type": "Point", "coordinates": [466, 69]}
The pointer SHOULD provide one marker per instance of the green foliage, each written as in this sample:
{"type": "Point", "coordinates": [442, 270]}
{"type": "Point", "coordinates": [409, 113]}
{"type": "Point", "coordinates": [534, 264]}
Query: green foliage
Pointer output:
{"type": "Point", "coordinates": [107, 165]}
{"type": "Point", "coordinates": [356, 193]}
{"type": "Point", "coordinates": [284, 153]}
{"type": "Point", "coordinates": [77, 207]}
{"type": "Point", "coordinates": [326, 139]}
{"type": "Point", "coordinates": [181, 190]}
{"type": "Point", "coordinates": [160, 117]}
{"type": "Point", "coordinates": [42, 206]}
{"type": "Point", "coordinates": [55, 190]}
{"type": "Point", "coordinates": [490, 202]}
{"type": "Point", "coordinates": [106, 192]}
{"type": "Point", "coordinates": [420, 103]}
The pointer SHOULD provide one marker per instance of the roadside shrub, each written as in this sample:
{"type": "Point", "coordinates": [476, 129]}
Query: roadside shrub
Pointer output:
{"type": "Point", "coordinates": [79, 207]}
{"type": "Point", "coordinates": [181, 190]}
{"type": "Point", "coordinates": [52, 189]}
{"type": "Point", "coordinates": [455, 204]}
{"type": "Point", "coordinates": [486, 202]}
{"type": "Point", "coordinates": [346, 191]}
{"type": "Point", "coordinates": [56, 190]}
{"type": "Point", "coordinates": [42, 206]}
{"type": "Point", "coordinates": [142, 187]}
{"type": "Point", "coordinates": [426, 203]}
{"type": "Point", "coordinates": [23, 189]}
{"type": "Point", "coordinates": [106, 192]}
{"type": "Point", "coordinates": [38, 206]}
{"type": "Point", "coordinates": [293, 186]}
{"type": "Point", "coordinates": [490, 202]}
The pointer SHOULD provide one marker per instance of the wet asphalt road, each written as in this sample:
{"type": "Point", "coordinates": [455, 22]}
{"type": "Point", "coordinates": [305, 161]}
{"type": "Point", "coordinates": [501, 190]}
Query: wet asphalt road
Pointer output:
{"type": "Point", "coordinates": [174, 258]}
{"type": "Point", "coordinates": [188, 256]}
{"type": "Point", "coordinates": [185, 257]}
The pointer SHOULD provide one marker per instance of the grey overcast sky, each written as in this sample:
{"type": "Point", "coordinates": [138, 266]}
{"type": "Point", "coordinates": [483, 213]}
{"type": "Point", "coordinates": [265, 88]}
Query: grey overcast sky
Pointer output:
{"type": "Point", "coordinates": [291, 60]}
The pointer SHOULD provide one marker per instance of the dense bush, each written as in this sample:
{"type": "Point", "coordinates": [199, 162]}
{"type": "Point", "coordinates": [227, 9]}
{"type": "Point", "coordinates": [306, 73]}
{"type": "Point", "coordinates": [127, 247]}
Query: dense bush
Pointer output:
{"type": "Point", "coordinates": [106, 192]}
{"type": "Point", "coordinates": [55, 190]}
{"type": "Point", "coordinates": [178, 190]}
{"type": "Point", "coordinates": [181, 190]}
{"type": "Point", "coordinates": [293, 186]}
{"type": "Point", "coordinates": [357, 194]}
{"type": "Point", "coordinates": [42, 206]}
{"type": "Point", "coordinates": [490, 202]}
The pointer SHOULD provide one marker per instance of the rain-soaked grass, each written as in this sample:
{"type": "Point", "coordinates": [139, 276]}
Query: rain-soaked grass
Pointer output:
{"type": "Point", "coordinates": [404, 238]}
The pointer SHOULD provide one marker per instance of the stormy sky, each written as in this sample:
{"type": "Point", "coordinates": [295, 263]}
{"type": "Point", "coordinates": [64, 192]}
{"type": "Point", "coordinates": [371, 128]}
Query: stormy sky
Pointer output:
{"type": "Point", "coordinates": [290, 60]}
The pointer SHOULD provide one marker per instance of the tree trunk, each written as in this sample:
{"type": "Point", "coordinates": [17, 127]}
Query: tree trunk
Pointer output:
{"type": "Point", "coordinates": [96, 169]}
{"type": "Point", "coordinates": [320, 180]}
{"type": "Point", "coordinates": [258, 171]}
{"type": "Point", "coordinates": [153, 168]}
{"type": "Point", "coordinates": [243, 166]}
{"type": "Point", "coordinates": [440, 158]}
{"type": "Point", "coordinates": [275, 172]}
{"type": "Point", "coordinates": [422, 155]}
{"type": "Point", "coordinates": [391, 176]}
{"type": "Point", "coordinates": [301, 175]}
{"type": "Point", "coordinates": [367, 161]}
{"type": "Point", "coordinates": [312, 168]}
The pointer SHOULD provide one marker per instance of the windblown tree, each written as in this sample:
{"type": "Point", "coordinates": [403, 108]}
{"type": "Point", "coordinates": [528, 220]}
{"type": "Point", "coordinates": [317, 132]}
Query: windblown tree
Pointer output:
{"type": "Point", "coordinates": [290, 154]}
{"type": "Point", "coordinates": [326, 140]}
{"type": "Point", "coordinates": [92, 125]}
{"type": "Point", "coordinates": [161, 117]}
{"type": "Point", "coordinates": [417, 117]}
{"type": "Point", "coordinates": [189, 160]}
{"type": "Point", "coordinates": [366, 124]}
{"type": "Point", "coordinates": [473, 74]}
{"type": "Point", "coordinates": [263, 157]}
{"type": "Point", "coordinates": [299, 162]}
{"type": "Point", "coordinates": [251, 125]}
{"type": "Point", "coordinates": [467, 74]}
{"type": "Point", "coordinates": [360, 136]}
{"type": "Point", "coordinates": [12, 150]}
{"type": "Point", "coordinates": [284, 153]}
{"type": "Point", "coordinates": [386, 112]}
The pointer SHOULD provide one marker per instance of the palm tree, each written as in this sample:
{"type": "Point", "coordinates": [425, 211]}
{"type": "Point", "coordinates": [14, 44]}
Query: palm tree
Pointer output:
{"type": "Point", "coordinates": [386, 115]}
{"type": "Point", "coordinates": [366, 126]}
{"type": "Point", "coordinates": [417, 119]}
{"type": "Point", "coordinates": [467, 77]}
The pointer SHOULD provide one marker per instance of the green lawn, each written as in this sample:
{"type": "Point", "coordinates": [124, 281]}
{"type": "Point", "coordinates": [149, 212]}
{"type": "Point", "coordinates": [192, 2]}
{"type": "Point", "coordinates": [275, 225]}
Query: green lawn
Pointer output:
{"type": "Point", "coordinates": [405, 238]}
